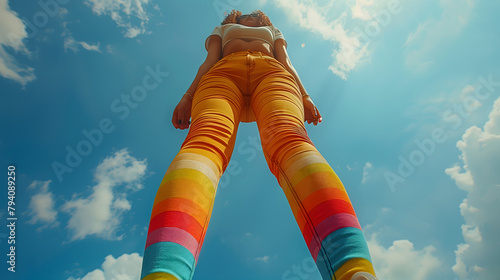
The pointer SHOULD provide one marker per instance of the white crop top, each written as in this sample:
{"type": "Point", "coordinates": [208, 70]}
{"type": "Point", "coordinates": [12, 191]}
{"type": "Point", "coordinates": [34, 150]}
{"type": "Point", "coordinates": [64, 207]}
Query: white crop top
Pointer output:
{"type": "Point", "coordinates": [231, 31]}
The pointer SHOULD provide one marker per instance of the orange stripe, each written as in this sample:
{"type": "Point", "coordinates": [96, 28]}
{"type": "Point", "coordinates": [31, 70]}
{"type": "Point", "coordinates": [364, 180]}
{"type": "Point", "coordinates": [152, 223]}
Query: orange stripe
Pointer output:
{"type": "Point", "coordinates": [311, 197]}
{"type": "Point", "coordinates": [182, 205]}
{"type": "Point", "coordinates": [187, 173]}
{"type": "Point", "coordinates": [188, 189]}
{"type": "Point", "coordinates": [294, 206]}
{"type": "Point", "coordinates": [316, 181]}
{"type": "Point", "coordinates": [323, 195]}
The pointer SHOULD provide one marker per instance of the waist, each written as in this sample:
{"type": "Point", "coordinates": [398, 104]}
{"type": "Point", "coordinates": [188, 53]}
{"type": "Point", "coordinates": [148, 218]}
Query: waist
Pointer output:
{"type": "Point", "coordinates": [246, 53]}
{"type": "Point", "coordinates": [238, 45]}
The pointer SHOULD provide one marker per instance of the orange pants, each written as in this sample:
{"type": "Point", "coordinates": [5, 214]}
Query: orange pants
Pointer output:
{"type": "Point", "coordinates": [244, 86]}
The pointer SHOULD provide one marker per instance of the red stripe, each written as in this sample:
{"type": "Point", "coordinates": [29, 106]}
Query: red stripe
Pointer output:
{"type": "Point", "coordinates": [329, 208]}
{"type": "Point", "coordinates": [176, 219]}
{"type": "Point", "coordinates": [179, 204]}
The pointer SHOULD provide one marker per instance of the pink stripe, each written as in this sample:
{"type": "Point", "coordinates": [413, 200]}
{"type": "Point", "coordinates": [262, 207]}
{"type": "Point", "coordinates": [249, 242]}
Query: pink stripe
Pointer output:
{"type": "Point", "coordinates": [173, 234]}
{"type": "Point", "coordinates": [330, 225]}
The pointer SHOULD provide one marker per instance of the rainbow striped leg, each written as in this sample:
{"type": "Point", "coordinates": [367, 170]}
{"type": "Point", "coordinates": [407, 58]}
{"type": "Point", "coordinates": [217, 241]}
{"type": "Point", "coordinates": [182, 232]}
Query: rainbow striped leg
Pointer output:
{"type": "Point", "coordinates": [316, 195]}
{"type": "Point", "coordinates": [184, 201]}
{"type": "Point", "coordinates": [325, 216]}
{"type": "Point", "coordinates": [180, 218]}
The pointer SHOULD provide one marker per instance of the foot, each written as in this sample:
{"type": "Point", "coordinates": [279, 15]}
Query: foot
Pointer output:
{"type": "Point", "coordinates": [363, 276]}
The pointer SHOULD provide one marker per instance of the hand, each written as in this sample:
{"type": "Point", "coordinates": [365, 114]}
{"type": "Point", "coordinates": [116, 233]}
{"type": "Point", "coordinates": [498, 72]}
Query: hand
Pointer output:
{"type": "Point", "coordinates": [310, 111]}
{"type": "Point", "coordinates": [182, 113]}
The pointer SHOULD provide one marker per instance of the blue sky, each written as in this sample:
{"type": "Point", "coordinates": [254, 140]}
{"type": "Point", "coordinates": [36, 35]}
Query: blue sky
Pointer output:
{"type": "Point", "coordinates": [410, 97]}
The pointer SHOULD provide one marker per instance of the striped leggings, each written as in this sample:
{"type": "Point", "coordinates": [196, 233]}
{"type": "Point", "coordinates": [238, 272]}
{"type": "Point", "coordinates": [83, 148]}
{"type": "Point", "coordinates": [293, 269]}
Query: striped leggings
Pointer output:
{"type": "Point", "coordinates": [247, 86]}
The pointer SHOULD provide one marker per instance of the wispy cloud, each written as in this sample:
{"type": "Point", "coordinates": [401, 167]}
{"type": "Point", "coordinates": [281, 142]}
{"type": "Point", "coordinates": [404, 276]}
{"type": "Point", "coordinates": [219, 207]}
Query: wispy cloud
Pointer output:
{"type": "Point", "coordinates": [432, 33]}
{"type": "Point", "coordinates": [125, 267]}
{"type": "Point", "coordinates": [361, 9]}
{"type": "Point", "coordinates": [100, 213]}
{"type": "Point", "coordinates": [63, 12]}
{"type": "Point", "coordinates": [90, 47]}
{"type": "Point", "coordinates": [479, 177]}
{"type": "Point", "coordinates": [350, 48]}
{"type": "Point", "coordinates": [264, 259]}
{"type": "Point", "coordinates": [71, 44]}
{"type": "Point", "coordinates": [12, 34]}
{"type": "Point", "coordinates": [42, 205]}
{"type": "Point", "coordinates": [128, 14]}
{"type": "Point", "coordinates": [312, 17]}
{"type": "Point", "coordinates": [368, 166]}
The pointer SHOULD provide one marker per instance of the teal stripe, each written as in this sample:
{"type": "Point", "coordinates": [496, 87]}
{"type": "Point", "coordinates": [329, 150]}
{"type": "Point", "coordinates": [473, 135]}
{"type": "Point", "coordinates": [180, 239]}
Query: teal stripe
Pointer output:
{"type": "Point", "coordinates": [340, 246]}
{"type": "Point", "coordinates": [168, 257]}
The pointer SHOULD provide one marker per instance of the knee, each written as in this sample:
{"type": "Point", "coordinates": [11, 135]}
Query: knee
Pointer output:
{"type": "Point", "coordinates": [212, 141]}
{"type": "Point", "coordinates": [282, 143]}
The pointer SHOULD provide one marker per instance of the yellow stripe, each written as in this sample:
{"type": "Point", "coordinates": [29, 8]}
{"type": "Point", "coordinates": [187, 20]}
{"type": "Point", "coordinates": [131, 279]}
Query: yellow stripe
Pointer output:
{"type": "Point", "coordinates": [196, 165]}
{"type": "Point", "coordinates": [303, 162]}
{"type": "Point", "coordinates": [160, 276]}
{"type": "Point", "coordinates": [187, 173]}
{"type": "Point", "coordinates": [349, 268]}
{"type": "Point", "coordinates": [308, 170]}
{"type": "Point", "coordinates": [313, 183]}
{"type": "Point", "coordinates": [187, 183]}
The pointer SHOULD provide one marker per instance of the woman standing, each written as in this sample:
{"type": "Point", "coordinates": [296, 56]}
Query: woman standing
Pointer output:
{"type": "Point", "coordinates": [247, 76]}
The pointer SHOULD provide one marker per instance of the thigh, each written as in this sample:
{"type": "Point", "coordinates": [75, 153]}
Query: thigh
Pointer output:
{"type": "Point", "coordinates": [279, 112]}
{"type": "Point", "coordinates": [215, 115]}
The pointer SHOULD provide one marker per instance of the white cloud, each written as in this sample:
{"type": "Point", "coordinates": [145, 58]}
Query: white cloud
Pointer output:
{"type": "Point", "coordinates": [71, 44]}
{"type": "Point", "coordinates": [264, 259]}
{"type": "Point", "coordinates": [123, 12]}
{"type": "Point", "coordinates": [63, 12]}
{"type": "Point", "coordinates": [313, 18]}
{"type": "Point", "coordinates": [41, 207]}
{"type": "Point", "coordinates": [125, 267]}
{"type": "Point", "coordinates": [430, 34]}
{"type": "Point", "coordinates": [368, 166]}
{"type": "Point", "coordinates": [402, 261]}
{"type": "Point", "coordinates": [100, 213]}
{"type": "Point", "coordinates": [349, 44]}
{"type": "Point", "coordinates": [90, 47]}
{"type": "Point", "coordinates": [12, 33]}
{"type": "Point", "coordinates": [479, 177]}
{"type": "Point", "coordinates": [361, 11]}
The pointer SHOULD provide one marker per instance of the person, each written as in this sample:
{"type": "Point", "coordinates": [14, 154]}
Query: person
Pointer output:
{"type": "Point", "coordinates": [247, 76]}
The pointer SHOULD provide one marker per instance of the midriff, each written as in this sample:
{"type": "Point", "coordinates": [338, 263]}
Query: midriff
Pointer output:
{"type": "Point", "coordinates": [257, 45]}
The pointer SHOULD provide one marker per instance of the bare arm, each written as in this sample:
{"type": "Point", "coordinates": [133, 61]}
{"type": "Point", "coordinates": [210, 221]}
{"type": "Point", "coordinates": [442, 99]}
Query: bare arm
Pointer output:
{"type": "Point", "coordinates": [214, 54]}
{"type": "Point", "coordinates": [311, 112]}
{"type": "Point", "coordinates": [182, 112]}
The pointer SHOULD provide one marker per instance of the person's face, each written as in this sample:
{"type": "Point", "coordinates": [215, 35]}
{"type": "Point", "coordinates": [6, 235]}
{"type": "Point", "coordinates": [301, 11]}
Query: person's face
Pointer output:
{"type": "Point", "coordinates": [249, 20]}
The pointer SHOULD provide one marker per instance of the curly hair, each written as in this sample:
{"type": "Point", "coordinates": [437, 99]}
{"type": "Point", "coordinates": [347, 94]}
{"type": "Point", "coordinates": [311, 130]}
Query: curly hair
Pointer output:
{"type": "Point", "coordinates": [234, 17]}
